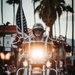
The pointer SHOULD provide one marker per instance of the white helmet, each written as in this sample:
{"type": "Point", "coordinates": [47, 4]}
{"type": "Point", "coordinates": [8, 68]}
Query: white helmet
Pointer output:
{"type": "Point", "coordinates": [38, 25]}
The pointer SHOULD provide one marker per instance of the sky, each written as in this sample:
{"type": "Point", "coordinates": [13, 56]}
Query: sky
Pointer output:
{"type": "Point", "coordinates": [28, 11]}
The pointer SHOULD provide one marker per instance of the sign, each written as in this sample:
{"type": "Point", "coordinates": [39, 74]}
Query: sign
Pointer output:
{"type": "Point", "coordinates": [7, 29]}
{"type": "Point", "coordinates": [7, 42]}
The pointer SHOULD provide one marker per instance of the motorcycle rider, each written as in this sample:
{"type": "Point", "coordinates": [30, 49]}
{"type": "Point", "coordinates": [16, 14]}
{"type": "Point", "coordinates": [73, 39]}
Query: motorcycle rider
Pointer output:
{"type": "Point", "coordinates": [38, 31]}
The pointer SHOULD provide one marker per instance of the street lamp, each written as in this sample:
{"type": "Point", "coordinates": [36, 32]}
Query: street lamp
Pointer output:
{"type": "Point", "coordinates": [5, 56]}
{"type": "Point", "coordinates": [2, 56]}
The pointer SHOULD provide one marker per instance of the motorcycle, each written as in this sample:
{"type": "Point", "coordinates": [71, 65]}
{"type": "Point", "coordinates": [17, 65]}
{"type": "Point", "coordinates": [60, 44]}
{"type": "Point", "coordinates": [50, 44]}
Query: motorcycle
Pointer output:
{"type": "Point", "coordinates": [35, 58]}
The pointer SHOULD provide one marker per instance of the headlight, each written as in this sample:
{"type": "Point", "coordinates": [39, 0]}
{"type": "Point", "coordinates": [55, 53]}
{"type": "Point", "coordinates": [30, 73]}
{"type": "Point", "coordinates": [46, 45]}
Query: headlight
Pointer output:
{"type": "Point", "coordinates": [48, 64]}
{"type": "Point", "coordinates": [37, 54]}
{"type": "Point", "coordinates": [2, 56]}
{"type": "Point", "coordinates": [25, 63]}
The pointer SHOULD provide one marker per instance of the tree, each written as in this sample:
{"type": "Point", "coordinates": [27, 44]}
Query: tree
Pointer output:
{"type": "Point", "coordinates": [68, 9]}
{"type": "Point", "coordinates": [13, 2]}
{"type": "Point", "coordinates": [34, 9]}
{"type": "Point", "coordinates": [49, 10]}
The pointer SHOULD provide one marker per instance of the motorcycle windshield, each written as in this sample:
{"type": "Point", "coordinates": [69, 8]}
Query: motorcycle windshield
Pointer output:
{"type": "Point", "coordinates": [37, 50]}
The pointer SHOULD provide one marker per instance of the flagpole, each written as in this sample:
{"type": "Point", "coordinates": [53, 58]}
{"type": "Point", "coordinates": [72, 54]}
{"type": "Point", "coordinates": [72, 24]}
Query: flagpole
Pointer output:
{"type": "Point", "coordinates": [21, 19]}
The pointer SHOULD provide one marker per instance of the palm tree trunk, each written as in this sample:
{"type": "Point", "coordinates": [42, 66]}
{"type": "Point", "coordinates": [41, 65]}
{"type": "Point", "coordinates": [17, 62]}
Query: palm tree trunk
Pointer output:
{"type": "Point", "coordinates": [13, 13]}
{"type": "Point", "coordinates": [34, 11]}
{"type": "Point", "coordinates": [2, 10]}
{"type": "Point", "coordinates": [66, 25]}
{"type": "Point", "coordinates": [59, 25]}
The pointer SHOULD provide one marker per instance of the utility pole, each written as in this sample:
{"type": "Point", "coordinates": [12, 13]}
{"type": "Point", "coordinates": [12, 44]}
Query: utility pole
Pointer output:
{"type": "Point", "coordinates": [72, 30]}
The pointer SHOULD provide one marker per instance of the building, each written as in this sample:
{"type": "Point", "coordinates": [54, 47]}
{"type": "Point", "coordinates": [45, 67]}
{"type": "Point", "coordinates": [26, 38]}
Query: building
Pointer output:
{"type": "Point", "coordinates": [6, 40]}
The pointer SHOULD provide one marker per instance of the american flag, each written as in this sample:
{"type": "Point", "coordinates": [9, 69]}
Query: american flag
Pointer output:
{"type": "Point", "coordinates": [19, 23]}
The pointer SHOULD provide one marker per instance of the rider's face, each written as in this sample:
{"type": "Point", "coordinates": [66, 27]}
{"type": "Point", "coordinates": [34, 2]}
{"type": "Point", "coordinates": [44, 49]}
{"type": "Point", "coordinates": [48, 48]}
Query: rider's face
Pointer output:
{"type": "Point", "coordinates": [38, 32]}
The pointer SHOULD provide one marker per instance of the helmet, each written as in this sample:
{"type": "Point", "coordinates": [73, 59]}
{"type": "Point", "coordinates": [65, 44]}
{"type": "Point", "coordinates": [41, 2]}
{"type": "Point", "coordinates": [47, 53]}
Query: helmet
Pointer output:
{"type": "Point", "coordinates": [38, 25]}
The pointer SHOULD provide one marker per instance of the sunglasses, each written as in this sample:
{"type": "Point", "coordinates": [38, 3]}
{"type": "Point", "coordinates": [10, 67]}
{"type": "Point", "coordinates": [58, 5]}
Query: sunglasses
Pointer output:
{"type": "Point", "coordinates": [38, 29]}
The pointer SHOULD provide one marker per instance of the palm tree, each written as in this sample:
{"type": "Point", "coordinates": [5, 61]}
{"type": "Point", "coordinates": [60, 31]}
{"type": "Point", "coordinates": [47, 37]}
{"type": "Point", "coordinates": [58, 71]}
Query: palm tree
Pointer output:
{"type": "Point", "coordinates": [68, 9]}
{"type": "Point", "coordinates": [48, 11]}
{"type": "Point", "coordinates": [34, 1]}
{"type": "Point", "coordinates": [13, 2]}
